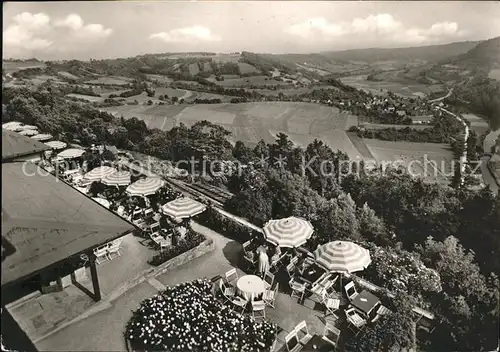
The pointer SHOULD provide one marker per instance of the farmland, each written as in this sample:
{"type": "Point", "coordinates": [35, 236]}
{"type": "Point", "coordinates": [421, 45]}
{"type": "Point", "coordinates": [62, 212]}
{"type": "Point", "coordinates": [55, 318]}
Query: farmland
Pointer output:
{"type": "Point", "coordinates": [119, 81]}
{"type": "Point", "coordinates": [11, 66]}
{"type": "Point", "coordinates": [418, 158]}
{"type": "Point", "coordinates": [253, 80]}
{"type": "Point", "coordinates": [495, 73]}
{"type": "Point", "coordinates": [381, 87]}
{"type": "Point", "coordinates": [251, 122]}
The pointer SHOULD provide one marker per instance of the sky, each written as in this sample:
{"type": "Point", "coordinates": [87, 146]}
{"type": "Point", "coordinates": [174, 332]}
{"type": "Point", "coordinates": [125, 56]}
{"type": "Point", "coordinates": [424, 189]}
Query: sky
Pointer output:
{"type": "Point", "coordinates": [84, 30]}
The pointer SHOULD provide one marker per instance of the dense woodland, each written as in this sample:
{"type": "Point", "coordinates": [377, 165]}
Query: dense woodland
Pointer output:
{"type": "Point", "coordinates": [452, 235]}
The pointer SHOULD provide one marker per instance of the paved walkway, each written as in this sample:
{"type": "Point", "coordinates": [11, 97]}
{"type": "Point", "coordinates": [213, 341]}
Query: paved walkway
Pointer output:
{"type": "Point", "coordinates": [103, 331]}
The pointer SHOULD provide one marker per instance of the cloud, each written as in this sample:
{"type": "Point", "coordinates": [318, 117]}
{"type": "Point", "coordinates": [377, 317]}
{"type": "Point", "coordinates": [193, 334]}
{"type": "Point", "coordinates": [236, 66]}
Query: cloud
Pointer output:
{"type": "Point", "coordinates": [186, 35]}
{"type": "Point", "coordinates": [377, 27]}
{"type": "Point", "coordinates": [32, 34]}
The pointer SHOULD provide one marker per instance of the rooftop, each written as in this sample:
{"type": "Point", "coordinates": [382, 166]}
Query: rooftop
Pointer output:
{"type": "Point", "coordinates": [15, 145]}
{"type": "Point", "coordinates": [45, 221]}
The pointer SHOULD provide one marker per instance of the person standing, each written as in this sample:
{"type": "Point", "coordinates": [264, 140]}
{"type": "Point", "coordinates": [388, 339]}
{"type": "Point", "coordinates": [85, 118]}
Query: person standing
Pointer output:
{"type": "Point", "coordinates": [263, 262]}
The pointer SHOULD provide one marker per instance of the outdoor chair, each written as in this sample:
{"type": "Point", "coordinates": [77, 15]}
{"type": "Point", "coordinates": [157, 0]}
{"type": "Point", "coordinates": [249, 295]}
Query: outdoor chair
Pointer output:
{"type": "Point", "coordinates": [227, 292]}
{"type": "Point", "coordinates": [292, 342]}
{"type": "Point", "coordinates": [382, 310]}
{"type": "Point", "coordinates": [331, 334]}
{"type": "Point", "coordinates": [302, 330]}
{"type": "Point", "coordinates": [148, 213]}
{"type": "Point", "coordinates": [156, 237]}
{"type": "Point", "coordinates": [231, 276]}
{"type": "Point", "coordinates": [246, 245]}
{"type": "Point", "coordinates": [350, 290]}
{"type": "Point", "coordinates": [354, 319]}
{"type": "Point", "coordinates": [298, 289]}
{"type": "Point", "coordinates": [155, 227]}
{"type": "Point", "coordinates": [101, 253]}
{"type": "Point", "coordinates": [258, 309]}
{"type": "Point", "coordinates": [114, 248]}
{"type": "Point", "coordinates": [239, 303]}
{"type": "Point", "coordinates": [331, 303]}
{"type": "Point", "coordinates": [268, 280]}
{"type": "Point", "coordinates": [165, 243]}
{"type": "Point", "coordinates": [270, 296]}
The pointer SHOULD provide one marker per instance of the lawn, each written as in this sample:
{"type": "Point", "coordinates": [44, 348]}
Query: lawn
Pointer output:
{"type": "Point", "coordinates": [247, 68]}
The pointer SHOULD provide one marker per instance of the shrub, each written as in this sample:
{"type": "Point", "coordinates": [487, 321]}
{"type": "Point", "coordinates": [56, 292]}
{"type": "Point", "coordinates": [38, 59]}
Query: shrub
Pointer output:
{"type": "Point", "coordinates": [188, 317]}
{"type": "Point", "coordinates": [214, 220]}
{"type": "Point", "coordinates": [191, 240]}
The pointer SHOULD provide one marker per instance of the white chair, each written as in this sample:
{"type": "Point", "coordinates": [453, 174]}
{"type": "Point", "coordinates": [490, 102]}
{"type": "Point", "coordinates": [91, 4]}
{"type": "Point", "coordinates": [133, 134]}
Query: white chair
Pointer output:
{"type": "Point", "coordinates": [268, 280]}
{"type": "Point", "coordinates": [350, 290]}
{"type": "Point", "coordinates": [165, 243]}
{"type": "Point", "coordinates": [101, 253]}
{"type": "Point", "coordinates": [156, 237]}
{"type": "Point", "coordinates": [331, 303]}
{"type": "Point", "coordinates": [302, 330]}
{"type": "Point", "coordinates": [258, 309]}
{"type": "Point", "coordinates": [331, 334]}
{"type": "Point", "coordinates": [155, 228]}
{"type": "Point", "coordinates": [270, 296]}
{"type": "Point", "coordinates": [227, 292]}
{"type": "Point", "coordinates": [239, 303]}
{"type": "Point", "coordinates": [382, 310]}
{"type": "Point", "coordinates": [298, 289]}
{"type": "Point", "coordinates": [114, 248]}
{"type": "Point", "coordinates": [148, 212]}
{"type": "Point", "coordinates": [231, 276]}
{"type": "Point", "coordinates": [292, 342]}
{"type": "Point", "coordinates": [355, 319]}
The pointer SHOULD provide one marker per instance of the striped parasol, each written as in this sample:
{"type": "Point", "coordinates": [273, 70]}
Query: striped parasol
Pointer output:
{"type": "Point", "coordinates": [145, 187]}
{"type": "Point", "coordinates": [117, 178]}
{"type": "Point", "coordinates": [28, 133]}
{"type": "Point", "coordinates": [13, 126]}
{"type": "Point", "coordinates": [56, 145]}
{"type": "Point", "coordinates": [99, 173]}
{"type": "Point", "coordinates": [183, 207]}
{"type": "Point", "coordinates": [342, 257]}
{"type": "Point", "coordinates": [288, 232]}
{"type": "Point", "coordinates": [29, 127]}
{"type": "Point", "coordinates": [42, 137]}
{"type": "Point", "coordinates": [71, 153]}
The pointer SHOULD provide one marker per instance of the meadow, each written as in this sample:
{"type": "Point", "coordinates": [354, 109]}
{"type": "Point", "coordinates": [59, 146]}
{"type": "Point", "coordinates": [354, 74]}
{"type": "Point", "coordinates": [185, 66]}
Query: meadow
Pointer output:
{"type": "Point", "coordinates": [253, 80]}
{"type": "Point", "coordinates": [494, 73]}
{"type": "Point", "coordinates": [11, 67]}
{"type": "Point", "coordinates": [119, 81]}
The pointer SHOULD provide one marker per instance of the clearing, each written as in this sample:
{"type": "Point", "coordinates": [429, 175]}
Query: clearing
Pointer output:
{"type": "Point", "coordinates": [119, 81]}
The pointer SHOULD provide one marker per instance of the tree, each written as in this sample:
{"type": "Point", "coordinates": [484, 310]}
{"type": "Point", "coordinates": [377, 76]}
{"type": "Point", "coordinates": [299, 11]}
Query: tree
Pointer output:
{"type": "Point", "coordinates": [371, 227]}
{"type": "Point", "coordinates": [242, 152]}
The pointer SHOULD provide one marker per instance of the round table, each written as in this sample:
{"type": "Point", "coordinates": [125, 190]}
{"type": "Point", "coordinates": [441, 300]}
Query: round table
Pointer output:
{"type": "Point", "coordinates": [250, 286]}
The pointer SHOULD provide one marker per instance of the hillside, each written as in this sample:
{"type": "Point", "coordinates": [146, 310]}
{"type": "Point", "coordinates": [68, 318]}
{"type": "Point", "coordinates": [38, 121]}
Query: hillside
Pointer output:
{"type": "Point", "coordinates": [485, 54]}
{"type": "Point", "coordinates": [426, 53]}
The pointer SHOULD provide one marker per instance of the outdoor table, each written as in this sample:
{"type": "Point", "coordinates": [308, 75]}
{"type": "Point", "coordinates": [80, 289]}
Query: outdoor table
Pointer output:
{"type": "Point", "coordinates": [365, 302]}
{"type": "Point", "coordinates": [250, 286]}
{"type": "Point", "coordinates": [312, 274]}
{"type": "Point", "coordinates": [318, 344]}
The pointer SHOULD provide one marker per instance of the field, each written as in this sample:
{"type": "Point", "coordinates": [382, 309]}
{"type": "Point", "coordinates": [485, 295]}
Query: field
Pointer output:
{"type": "Point", "coordinates": [477, 124]}
{"type": "Point", "coordinates": [495, 74]}
{"type": "Point", "coordinates": [86, 97]}
{"type": "Point", "coordinates": [246, 68]}
{"type": "Point", "coordinates": [420, 159]}
{"type": "Point", "coordinates": [159, 78]}
{"type": "Point", "coordinates": [119, 81]}
{"type": "Point", "coordinates": [409, 89]}
{"type": "Point", "coordinates": [288, 91]}
{"type": "Point", "coordinates": [381, 126]}
{"type": "Point", "coordinates": [251, 122]}
{"type": "Point", "coordinates": [253, 80]}
{"type": "Point", "coordinates": [10, 67]}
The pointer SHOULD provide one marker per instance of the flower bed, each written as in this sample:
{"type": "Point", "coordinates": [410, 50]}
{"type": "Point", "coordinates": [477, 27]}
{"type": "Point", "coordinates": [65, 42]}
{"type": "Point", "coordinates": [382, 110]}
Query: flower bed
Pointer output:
{"type": "Point", "coordinates": [188, 317]}
{"type": "Point", "coordinates": [191, 240]}
{"type": "Point", "coordinates": [214, 220]}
